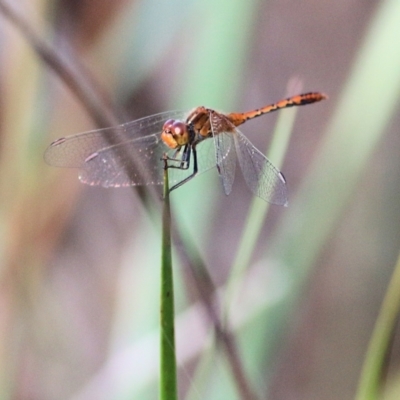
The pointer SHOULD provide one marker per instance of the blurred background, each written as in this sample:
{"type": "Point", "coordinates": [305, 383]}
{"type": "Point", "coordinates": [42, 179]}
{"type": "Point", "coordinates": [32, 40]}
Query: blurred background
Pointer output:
{"type": "Point", "coordinates": [79, 299]}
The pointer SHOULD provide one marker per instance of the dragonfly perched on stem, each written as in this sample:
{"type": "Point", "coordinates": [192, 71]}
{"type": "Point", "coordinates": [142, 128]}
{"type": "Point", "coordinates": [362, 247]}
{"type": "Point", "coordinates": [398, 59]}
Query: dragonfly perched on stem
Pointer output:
{"type": "Point", "coordinates": [105, 156]}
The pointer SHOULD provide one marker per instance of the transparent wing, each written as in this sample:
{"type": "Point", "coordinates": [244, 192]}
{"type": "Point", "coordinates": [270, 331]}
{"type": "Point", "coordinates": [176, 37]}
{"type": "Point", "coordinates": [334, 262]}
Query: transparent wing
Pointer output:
{"type": "Point", "coordinates": [225, 153]}
{"type": "Point", "coordinates": [262, 178]}
{"type": "Point", "coordinates": [126, 155]}
{"type": "Point", "coordinates": [113, 167]}
{"type": "Point", "coordinates": [72, 151]}
{"type": "Point", "coordinates": [134, 162]}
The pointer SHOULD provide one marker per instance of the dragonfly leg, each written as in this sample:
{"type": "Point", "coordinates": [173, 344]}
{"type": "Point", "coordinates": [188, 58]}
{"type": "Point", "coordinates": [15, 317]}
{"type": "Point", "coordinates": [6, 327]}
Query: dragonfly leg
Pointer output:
{"type": "Point", "coordinates": [195, 169]}
{"type": "Point", "coordinates": [184, 160]}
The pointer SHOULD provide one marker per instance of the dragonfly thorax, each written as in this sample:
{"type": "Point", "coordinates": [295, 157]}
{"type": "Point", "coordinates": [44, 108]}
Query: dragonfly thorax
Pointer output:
{"type": "Point", "coordinates": [175, 133]}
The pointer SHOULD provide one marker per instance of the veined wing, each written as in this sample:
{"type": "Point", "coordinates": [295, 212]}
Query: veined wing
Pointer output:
{"type": "Point", "coordinates": [262, 178]}
{"type": "Point", "coordinates": [132, 162]}
{"type": "Point", "coordinates": [225, 153]}
{"type": "Point", "coordinates": [113, 166]}
{"type": "Point", "coordinates": [125, 155]}
{"type": "Point", "coordinates": [72, 151]}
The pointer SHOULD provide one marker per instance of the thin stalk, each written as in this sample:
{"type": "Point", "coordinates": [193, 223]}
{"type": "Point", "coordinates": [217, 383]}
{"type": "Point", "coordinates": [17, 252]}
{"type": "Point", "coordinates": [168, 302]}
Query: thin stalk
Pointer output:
{"type": "Point", "coordinates": [372, 371]}
{"type": "Point", "coordinates": [168, 386]}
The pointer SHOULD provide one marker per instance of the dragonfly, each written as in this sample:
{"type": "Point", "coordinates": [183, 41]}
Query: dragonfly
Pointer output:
{"type": "Point", "coordinates": [188, 143]}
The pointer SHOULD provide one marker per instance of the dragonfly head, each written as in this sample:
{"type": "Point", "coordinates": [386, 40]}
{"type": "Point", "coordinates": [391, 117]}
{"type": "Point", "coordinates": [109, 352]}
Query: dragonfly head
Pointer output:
{"type": "Point", "coordinates": [175, 133]}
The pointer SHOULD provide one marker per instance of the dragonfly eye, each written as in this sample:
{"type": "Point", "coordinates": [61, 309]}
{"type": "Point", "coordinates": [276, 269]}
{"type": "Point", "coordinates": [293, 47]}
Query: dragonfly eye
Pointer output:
{"type": "Point", "coordinates": [178, 128]}
{"type": "Point", "coordinates": [167, 127]}
{"type": "Point", "coordinates": [175, 133]}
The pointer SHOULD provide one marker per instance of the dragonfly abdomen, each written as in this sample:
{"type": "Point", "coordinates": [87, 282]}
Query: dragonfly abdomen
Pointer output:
{"type": "Point", "coordinates": [299, 100]}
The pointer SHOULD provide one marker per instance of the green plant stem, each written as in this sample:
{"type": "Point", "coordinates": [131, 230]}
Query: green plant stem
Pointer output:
{"type": "Point", "coordinates": [369, 385]}
{"type": "Point", "coordinates": [168, 385]}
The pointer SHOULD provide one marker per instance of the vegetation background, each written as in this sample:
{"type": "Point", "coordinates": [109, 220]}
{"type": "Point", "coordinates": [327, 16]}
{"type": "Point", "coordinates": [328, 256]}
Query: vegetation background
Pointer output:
{"type": "Point", "coordinates": [79, 265]}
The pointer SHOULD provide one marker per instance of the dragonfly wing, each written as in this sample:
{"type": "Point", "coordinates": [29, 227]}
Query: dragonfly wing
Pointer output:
{"type": "Point", "coordinates": [136, 162]}
{"type": "Point", "coordinates": [73, 151]}
{"type": "Point", "coordinates": [263, 179]}
{"type": "Point", "coordinates": [225, 154]}
{"type": "Point", "coordinates": [113, 166]}
{"type": "Point", "coordinates": [226, 159]}
{"type": "Point", "coordinates": [125, 155]}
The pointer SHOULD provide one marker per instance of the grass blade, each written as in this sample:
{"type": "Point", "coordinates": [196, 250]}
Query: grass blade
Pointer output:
{"type": "Point", "coordinates": [369, 385]}
{"type": "Point", "coordinates": [168, 385]}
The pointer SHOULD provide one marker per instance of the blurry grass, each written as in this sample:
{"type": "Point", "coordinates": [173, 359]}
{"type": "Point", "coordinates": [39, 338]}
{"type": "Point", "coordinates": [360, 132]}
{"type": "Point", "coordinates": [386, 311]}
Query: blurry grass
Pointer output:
{"type": "Point", "coordinates": [20, 194]}
{"type": "Point", "coordinates": [374, 368]}
{"type": "Point", "coordinates": [150, 37]}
